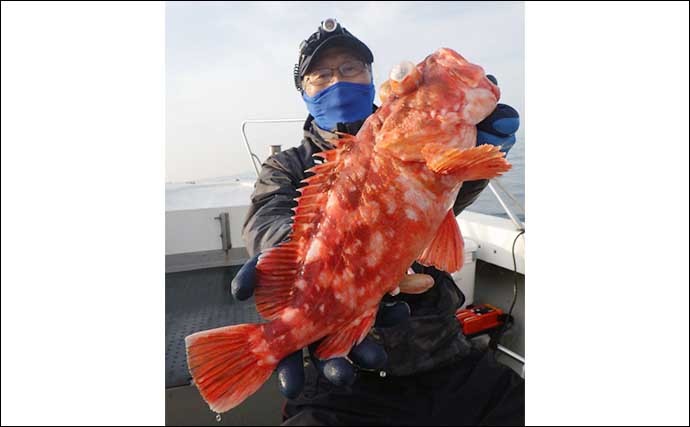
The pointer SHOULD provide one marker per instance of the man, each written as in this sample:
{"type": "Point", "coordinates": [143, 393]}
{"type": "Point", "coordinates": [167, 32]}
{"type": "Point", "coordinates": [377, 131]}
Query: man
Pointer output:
{"type": "Point", "coordinates": [415, 367]}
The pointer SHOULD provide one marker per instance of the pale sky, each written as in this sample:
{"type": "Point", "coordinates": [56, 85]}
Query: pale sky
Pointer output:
{"type": "Point", "coordinates": [229, 61]}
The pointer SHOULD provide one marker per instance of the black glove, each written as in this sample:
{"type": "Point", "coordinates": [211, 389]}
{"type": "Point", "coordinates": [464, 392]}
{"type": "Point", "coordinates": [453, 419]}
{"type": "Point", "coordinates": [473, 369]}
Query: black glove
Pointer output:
{"type": "Point", "coordinates": [499, 127]}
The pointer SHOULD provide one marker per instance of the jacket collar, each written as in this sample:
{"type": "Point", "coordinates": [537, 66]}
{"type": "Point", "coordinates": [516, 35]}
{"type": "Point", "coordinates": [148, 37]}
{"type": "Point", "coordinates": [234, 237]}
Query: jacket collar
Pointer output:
{"type": "Point", "coordinates": [322, 137]}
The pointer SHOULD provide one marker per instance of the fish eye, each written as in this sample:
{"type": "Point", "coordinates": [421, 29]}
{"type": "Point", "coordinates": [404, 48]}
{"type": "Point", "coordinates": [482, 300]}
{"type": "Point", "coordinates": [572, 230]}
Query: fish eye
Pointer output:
{"type": "Point", "coordinates": [401, 70]}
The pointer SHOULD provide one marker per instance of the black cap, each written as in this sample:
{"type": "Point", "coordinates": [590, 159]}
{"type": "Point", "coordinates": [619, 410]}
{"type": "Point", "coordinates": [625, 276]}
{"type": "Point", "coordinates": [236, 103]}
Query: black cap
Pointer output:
{"type": "Point", "coordinates": [330, 33]}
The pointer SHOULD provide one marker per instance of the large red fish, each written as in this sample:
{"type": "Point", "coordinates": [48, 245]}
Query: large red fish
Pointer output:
{"type": "Point", "coordinates": [380, 201]}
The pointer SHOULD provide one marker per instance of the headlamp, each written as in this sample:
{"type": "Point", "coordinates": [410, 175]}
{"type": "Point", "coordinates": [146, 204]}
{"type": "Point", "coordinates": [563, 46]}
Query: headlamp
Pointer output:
{"type": "Point", "coordinates": [328, 32]}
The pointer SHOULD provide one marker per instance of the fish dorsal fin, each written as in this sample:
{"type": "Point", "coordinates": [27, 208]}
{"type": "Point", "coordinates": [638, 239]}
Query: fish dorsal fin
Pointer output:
{"type": "Point", "coordinates": [279, 267]}
{"type": "Point", "coordinates": [445, 251]}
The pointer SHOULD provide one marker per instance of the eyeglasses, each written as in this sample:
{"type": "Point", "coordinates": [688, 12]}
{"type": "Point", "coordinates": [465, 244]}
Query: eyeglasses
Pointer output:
{"type": "Point", "coordinates": [322, 76]}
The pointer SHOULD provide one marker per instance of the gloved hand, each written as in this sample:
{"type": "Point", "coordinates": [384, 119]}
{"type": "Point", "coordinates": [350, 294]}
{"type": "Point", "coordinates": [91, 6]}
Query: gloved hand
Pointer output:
{"type": "Point", "coordinates": [500, 126]}
{"type": "Point", "coordinates": [340, 371]}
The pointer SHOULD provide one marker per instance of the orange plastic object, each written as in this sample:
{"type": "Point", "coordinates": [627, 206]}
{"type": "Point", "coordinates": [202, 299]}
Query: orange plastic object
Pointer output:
{"type": "Point", "coordinates": [475, 319]}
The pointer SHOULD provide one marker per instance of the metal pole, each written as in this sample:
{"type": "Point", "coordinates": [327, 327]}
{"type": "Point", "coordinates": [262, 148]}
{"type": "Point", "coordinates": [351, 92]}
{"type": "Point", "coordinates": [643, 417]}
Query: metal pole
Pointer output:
{"type": "Point", "coordinates": [253, 156]}
{"type": "Point", "coordinates": [510, 353]}
{"type": "Point", "coordinates": [249, 150]}
{"type": "Point", "coordinates": [512, 216]}
{"type": "Point", "coordinates": [507, 193]}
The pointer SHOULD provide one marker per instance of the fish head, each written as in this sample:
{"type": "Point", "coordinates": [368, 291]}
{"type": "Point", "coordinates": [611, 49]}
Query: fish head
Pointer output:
{"type": "Point", "coordinates": [439, 101]}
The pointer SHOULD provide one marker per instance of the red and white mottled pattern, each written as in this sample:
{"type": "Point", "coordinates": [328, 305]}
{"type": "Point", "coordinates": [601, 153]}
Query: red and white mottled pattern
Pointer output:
{"type": "Point", "coordinates": [371, 210]}
{"type": "Point", "coordinates": [384, 204]}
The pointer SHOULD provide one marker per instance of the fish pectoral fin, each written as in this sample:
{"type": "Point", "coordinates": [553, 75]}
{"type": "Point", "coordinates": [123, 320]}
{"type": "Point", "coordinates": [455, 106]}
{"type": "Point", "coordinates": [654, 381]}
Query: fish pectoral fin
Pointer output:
{"type": "Point", "coordinates": [445, 251]}
{"type": "Point", "coordinates": [483, 162]}
{"type": "Point", "coordinates": [340, 343]}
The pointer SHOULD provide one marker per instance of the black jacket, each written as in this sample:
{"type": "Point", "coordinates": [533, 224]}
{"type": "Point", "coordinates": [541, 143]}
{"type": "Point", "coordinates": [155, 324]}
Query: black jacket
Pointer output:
{"type": "Point", "coordinates": [432, 337]}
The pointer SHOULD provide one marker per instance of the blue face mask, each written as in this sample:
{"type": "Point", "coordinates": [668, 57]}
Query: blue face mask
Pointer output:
{"type": "Point", "coordinates": [344, 102]}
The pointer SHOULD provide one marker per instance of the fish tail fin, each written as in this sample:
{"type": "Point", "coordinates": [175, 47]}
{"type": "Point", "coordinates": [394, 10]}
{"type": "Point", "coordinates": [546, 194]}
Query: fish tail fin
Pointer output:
{"type": "Point", "coordinates": [223, 366]}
